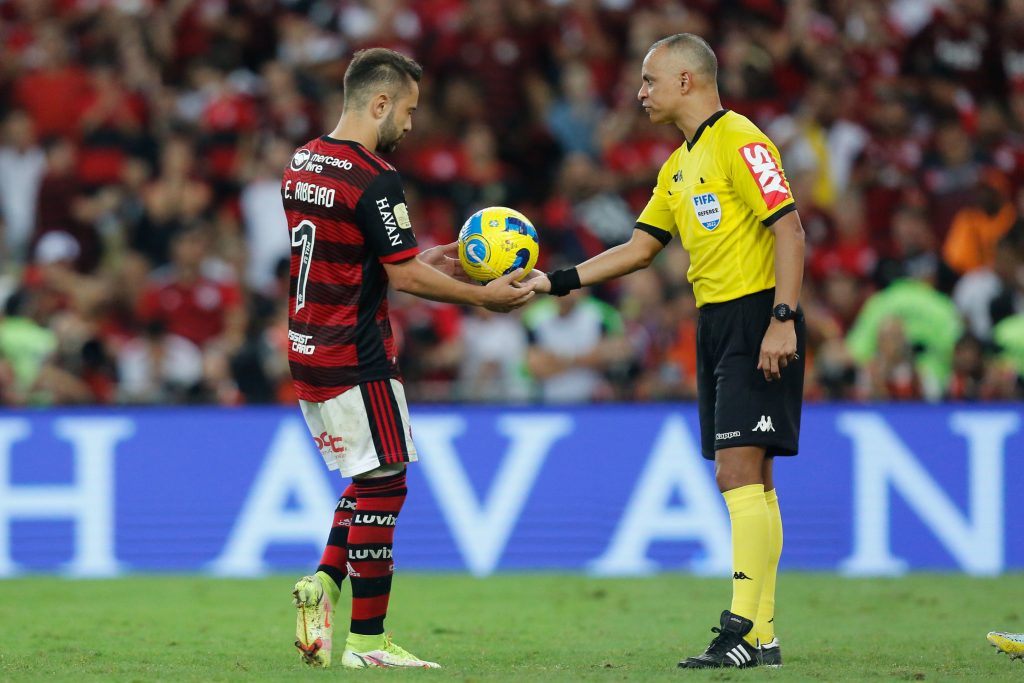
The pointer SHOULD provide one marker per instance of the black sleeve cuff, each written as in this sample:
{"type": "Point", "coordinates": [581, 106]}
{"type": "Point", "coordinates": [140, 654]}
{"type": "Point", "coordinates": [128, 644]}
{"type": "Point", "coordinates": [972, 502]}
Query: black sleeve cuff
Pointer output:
{"type": "Point", "coordinates": [770, 221]}
{"type": "Point", "coordinates": [662, 236]}
{"type": "Point", "coordinates": [564, 281]}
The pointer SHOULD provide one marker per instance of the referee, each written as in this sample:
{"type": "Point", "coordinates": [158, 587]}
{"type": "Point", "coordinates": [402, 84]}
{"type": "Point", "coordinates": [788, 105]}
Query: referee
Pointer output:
{"type": "Point", "coordinates": [724, 192]}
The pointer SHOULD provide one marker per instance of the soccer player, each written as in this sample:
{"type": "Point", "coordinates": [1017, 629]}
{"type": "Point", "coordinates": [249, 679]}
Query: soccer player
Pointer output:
{"type": "Point", "coordinates": [351, 235]}
{"type": "Point", "coordinates": [1008, 643]}
{"type": "Point", "coordinates": [724, 192]}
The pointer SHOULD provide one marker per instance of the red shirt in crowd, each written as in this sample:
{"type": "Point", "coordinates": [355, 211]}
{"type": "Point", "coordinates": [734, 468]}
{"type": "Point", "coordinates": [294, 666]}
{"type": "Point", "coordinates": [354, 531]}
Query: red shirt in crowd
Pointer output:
{"type": "Point", "coordinates": [196, 311]}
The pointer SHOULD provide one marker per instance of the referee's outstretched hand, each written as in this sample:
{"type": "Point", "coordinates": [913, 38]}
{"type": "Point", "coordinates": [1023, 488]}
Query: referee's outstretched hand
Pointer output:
{"type": "Point", "coordinates": [778, 349]}
{"type": "Point", "coordinates": [506, 294]}
{"type": "Point", "coordinates": [539, 280]}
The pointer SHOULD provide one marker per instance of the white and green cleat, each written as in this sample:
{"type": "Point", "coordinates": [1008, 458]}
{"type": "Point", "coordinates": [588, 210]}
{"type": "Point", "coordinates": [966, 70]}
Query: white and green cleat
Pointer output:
{"type": "Point", "coordinates": [1008, 643]}
{"type": "Point", "coordinates": [313, 621]}
{"type": "Point", "coordinates": [385, 655]}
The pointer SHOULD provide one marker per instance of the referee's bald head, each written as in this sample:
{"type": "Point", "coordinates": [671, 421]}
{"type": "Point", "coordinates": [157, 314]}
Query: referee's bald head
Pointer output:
{"type": "Point", "coordinates": [693, 51]}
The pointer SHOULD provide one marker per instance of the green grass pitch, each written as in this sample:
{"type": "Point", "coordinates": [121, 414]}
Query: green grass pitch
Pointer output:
{"type": "Point", "coordinates": [519, 627]}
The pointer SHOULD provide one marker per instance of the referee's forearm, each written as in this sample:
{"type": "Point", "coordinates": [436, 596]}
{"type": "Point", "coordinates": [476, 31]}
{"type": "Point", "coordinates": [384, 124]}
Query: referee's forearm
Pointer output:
{"type": "Point", "coordinates": [789, 259]}
{"type": "Point", "coordinates": [620, 260]}
{"type": "Point", "coordinates": [607, 265]}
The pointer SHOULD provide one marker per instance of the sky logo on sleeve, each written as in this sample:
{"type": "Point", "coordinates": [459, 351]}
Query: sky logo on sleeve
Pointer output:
{"type": "Point", "coordinates": [766, 172]}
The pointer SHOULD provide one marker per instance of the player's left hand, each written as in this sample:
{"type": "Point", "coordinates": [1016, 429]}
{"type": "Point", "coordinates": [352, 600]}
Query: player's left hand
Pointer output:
{"type": "Point", "coordinates": [445, 258]}
{"type": "Point", "coordinates": [778, 349]}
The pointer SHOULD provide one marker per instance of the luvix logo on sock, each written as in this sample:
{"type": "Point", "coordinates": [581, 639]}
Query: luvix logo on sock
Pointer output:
{"type": "Point", "coordinates": [740, 575]}
{"type": "Point", "coordinates": [374, 519]}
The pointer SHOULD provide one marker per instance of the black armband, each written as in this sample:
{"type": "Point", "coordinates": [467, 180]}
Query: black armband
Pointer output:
{"type": "Point", "coordinates": [564, 281]}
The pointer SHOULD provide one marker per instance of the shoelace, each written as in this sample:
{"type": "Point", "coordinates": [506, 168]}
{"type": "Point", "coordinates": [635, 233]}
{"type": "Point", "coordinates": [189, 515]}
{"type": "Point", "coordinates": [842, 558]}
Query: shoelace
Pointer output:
{"type": "Point", "coordinates": [395, 649]}
{"type": "Point", "coordinates": [720, 642]}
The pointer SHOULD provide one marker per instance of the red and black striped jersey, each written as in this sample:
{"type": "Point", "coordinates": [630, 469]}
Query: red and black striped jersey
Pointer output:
{"type": "Point", "coordinates": [347, 215]}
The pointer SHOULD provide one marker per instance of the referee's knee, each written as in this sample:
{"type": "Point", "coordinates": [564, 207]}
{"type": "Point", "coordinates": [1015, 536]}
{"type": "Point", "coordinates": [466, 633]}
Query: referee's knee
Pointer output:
{"type": "Point", "coordinates": [740, 466]}
{"type": "Point", "coordinates": [732, 481]}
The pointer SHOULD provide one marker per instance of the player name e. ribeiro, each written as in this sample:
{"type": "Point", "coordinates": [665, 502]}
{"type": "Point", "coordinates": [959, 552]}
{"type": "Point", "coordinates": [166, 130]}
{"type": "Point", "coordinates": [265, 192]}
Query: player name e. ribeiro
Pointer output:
{"type": "Point", "coordinates": [310, 192]}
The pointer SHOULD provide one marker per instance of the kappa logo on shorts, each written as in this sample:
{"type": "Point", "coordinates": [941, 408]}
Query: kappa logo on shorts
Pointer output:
{"type": "Point", "coordinates": [722, 436]}
{"type": "Point", "coordinates": [764, 424]}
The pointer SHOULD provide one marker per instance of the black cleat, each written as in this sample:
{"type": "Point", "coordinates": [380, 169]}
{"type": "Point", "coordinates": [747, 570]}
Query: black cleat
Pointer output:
{"type": "Point", "coordinates": [728, 649]}
{"type": "Point", "coordinates": [770, 653]}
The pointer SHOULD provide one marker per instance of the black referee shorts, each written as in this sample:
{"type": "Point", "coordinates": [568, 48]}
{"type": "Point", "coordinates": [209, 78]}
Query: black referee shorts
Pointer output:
{"type": "Point", "coordinates": [737, 406]}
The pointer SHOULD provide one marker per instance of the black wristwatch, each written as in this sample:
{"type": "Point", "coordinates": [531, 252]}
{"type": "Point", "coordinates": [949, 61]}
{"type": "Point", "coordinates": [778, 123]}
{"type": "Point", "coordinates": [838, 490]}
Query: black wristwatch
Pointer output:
{"type": "Point", "coordinates": [782, 313]}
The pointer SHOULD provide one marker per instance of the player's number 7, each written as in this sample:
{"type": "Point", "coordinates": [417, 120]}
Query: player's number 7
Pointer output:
{"type": "Point", "coordinates": [303, 235]}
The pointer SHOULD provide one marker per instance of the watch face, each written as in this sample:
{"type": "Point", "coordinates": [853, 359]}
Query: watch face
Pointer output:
{"type": "Point", "coordinates": [783, 312]}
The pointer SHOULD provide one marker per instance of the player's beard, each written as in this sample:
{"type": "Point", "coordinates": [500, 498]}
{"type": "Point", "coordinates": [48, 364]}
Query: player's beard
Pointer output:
{"type": "Point", "coordinates": [389, 135]}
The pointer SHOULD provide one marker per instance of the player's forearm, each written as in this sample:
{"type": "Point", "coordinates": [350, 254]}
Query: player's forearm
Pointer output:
{"type": "Point", "coordinates": [789, 259]}
{"type": "Point", "coordinates": [417, 278]}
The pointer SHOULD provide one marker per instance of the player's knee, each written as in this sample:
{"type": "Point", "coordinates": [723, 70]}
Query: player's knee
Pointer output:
{"type": "Point", "coordinates": [382, 471]}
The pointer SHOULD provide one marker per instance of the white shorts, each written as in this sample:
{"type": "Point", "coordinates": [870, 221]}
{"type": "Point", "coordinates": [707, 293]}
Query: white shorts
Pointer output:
{"type": "Point", "coordinates": [362, 429]}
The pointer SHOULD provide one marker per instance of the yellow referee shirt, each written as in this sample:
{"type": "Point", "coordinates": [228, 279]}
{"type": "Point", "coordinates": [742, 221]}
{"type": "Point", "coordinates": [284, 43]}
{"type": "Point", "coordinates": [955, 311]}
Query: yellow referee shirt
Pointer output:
{"type": "Point", "coordinates": [720, 191]}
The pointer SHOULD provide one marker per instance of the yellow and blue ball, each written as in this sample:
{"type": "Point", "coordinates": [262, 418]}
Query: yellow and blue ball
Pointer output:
{"type": "Point", "coordinates": [495, 241]}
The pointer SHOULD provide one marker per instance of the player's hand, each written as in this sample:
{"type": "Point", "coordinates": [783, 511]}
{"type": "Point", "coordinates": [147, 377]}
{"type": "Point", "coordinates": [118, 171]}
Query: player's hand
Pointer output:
{"type": "Point", "coordinates": [505, 294]}
{"type": "Point", "coordinates": [539, 280]}
{"type": "Point", "coordinates": [778, 349]}
{"type": "Point", "coordinates": [445, 258]}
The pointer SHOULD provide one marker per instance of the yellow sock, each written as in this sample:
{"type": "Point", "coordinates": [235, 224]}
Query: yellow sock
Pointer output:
{"type": "Point", "coordinates": [333, 591]}
{"type": "Point", "coordinates": [748, 513]}
{"type": "Point", "coordinates": [764, 625]}
{"type": "Point", "coordinates": [358, 642]}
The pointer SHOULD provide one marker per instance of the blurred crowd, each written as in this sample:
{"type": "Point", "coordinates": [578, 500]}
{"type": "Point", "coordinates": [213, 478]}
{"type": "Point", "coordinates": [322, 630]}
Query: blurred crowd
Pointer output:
{"type": "Point", "coordinates": [143, 246]}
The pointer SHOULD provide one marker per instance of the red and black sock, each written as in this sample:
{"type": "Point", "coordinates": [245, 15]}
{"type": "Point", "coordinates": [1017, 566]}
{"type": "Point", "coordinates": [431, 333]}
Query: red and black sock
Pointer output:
{"type": "Point", "coordinates": [370, 567]}
{"type": "Point", "coordinates": [333, 561]}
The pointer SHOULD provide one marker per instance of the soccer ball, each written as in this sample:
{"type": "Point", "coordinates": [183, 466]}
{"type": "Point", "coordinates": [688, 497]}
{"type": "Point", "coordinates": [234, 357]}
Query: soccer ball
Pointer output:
{"type": "Point", "coordinates": [495, 241]}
